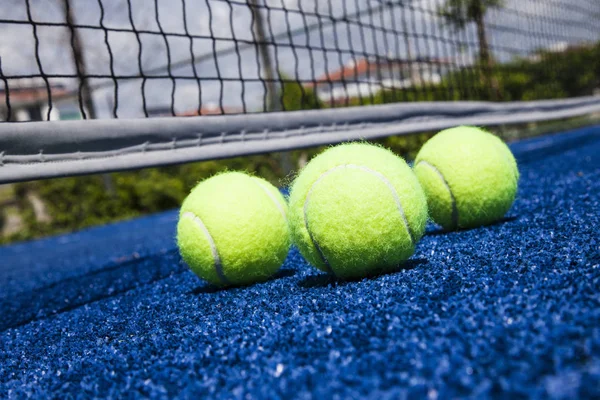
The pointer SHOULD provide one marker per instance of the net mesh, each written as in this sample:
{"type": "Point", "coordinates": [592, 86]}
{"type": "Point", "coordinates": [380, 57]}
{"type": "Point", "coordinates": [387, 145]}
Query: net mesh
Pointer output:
{"type": "Point", "coordinates": [101, 59]}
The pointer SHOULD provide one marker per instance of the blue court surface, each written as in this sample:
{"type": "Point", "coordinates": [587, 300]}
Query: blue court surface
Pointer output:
{"type": "Point", "coordinates": [510, 310]}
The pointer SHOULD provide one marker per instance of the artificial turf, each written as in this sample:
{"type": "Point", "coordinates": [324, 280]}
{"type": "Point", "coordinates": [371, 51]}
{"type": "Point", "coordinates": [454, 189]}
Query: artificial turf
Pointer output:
{"type": "Point", "coordinates": [510, 310]}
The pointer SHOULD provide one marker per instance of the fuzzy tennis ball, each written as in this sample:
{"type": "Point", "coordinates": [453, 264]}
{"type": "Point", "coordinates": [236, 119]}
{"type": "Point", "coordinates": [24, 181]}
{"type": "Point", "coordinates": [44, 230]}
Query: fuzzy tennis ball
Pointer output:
{"type": "Point", "coordinates": [233, 229]}
{"type": "Point", "coordinates": [357, 210]}
{"type": "Point", "coordinates": [469, 177]}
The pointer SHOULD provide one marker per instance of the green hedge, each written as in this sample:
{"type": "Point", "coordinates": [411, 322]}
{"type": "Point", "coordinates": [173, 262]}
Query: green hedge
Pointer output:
{"type": "Point", "coordinates": [79, 202]}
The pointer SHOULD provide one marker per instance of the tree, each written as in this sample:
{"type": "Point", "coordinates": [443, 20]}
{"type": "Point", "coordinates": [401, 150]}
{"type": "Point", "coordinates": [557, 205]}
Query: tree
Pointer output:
{"type": "Point", "coordinates": [458, 13]}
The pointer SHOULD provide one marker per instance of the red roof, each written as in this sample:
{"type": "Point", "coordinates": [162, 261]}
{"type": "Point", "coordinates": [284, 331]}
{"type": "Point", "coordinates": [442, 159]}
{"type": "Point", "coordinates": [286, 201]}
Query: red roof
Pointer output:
{"type": "Point", "coordinates": [30, 95]}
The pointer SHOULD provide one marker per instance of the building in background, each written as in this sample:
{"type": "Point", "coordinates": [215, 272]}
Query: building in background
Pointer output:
{"type": "Point", "coordinates": [367, 77]}
{"type": "Point", "coordinates": [29, 101]}
{"type": "Point", "coordinates": [207, 109]}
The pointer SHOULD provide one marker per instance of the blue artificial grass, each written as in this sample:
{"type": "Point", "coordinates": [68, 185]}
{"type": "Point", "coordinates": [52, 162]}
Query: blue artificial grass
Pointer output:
{"type": "Point", "coordinates": [510, 310]}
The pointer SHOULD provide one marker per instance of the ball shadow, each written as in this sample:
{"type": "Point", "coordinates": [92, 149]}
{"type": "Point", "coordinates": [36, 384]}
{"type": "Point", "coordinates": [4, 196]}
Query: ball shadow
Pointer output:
{"type": "Point", "coordinates": [323, 279]}
{"type": "Point", "coordinates": [441, 231]}
{"type": "Point", "coordinates": [208, 288]}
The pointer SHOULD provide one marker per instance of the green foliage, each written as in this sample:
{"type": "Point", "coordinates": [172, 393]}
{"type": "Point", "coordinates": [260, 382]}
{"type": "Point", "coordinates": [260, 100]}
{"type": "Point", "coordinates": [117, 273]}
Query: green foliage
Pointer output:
{"type": "Point", "coordinates": [576, 70]}
{"type": "Point", "coordinates": [79, 202]}
{"type": "Point", "coordinates": [546, 75]}
{"type": "Point", "coordinates": [295, 96]}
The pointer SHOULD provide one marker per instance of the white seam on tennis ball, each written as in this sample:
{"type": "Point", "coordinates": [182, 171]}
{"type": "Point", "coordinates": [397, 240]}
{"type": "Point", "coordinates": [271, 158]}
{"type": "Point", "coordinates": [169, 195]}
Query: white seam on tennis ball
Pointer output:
{"type": "Point", "coordinates": [452, 198]}
{"type": "Point", "coordinates": [277, 203]}
{"type": "Point", "coordinates": [213, 246]}
{"type": "Point", "coordinates": [377, 174]}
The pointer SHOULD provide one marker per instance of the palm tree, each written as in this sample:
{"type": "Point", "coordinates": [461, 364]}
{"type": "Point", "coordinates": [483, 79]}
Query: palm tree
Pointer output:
{"type": "Point", "coordinates": [458, 13]}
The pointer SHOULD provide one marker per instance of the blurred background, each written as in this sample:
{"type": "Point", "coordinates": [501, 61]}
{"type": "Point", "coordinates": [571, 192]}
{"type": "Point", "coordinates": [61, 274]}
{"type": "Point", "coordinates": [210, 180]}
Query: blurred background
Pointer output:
{"type": "Point", "coordinates": [114, 59]}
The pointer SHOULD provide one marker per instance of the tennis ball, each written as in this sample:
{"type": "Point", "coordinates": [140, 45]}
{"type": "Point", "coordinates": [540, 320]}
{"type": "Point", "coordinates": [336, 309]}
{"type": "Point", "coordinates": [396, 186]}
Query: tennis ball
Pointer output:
{"type": "Point", "coordinates": [469, 177]}
{"type": "Point", "coordinates": [357, 210]}
{"type": "Point", "coordinates": [233, 229]}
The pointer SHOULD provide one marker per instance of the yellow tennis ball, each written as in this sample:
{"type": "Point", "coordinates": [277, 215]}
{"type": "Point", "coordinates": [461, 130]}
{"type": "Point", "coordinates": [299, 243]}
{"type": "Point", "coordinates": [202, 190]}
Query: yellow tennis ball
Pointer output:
{"type": "Point", "coordinates": [233, 229]}
{"type": "Point", "coordinates": [357, 210]}
{"type": "Point", "coordinates": [469, 176]}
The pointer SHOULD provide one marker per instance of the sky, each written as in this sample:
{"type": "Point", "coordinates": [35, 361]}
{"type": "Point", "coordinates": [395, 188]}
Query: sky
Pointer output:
{"type": "Point", "coordinates": [199, 27]}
